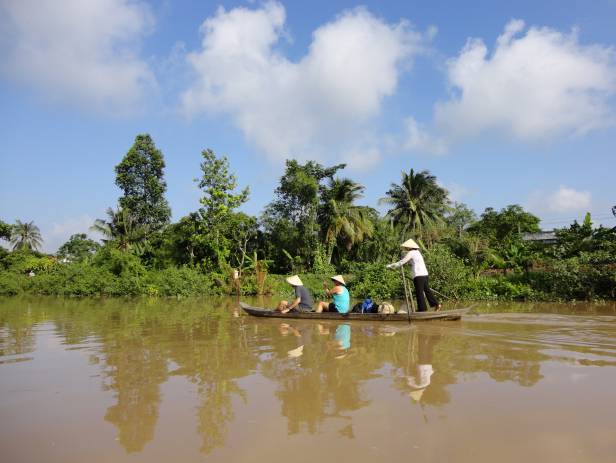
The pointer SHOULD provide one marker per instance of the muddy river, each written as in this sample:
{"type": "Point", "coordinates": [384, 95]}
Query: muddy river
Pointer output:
{"type": "Point", "coordinates": [194, 380]}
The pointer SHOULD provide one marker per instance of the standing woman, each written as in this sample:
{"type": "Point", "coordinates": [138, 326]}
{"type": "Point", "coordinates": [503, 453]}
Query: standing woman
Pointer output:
{"type": "Point", "coordinates": [420, 275]}
{"type": "Point", "coordinates": [340, 297]}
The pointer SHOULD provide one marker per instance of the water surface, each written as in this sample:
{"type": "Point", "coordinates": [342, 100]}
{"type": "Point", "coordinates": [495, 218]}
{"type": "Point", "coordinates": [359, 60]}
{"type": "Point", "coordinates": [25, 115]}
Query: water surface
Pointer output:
{"type": "Point", "coordinates": [187, 381]}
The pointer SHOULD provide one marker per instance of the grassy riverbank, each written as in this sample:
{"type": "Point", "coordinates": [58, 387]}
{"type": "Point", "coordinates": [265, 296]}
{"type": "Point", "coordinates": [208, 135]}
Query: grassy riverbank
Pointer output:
{"type": "Point", "coordinates": [563, 280]}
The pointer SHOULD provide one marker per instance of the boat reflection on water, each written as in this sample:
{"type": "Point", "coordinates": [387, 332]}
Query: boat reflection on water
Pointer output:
{"type": "Point", "coordinates": [338, 346]}
{"type": "Point", "coordinates": [328, 377]}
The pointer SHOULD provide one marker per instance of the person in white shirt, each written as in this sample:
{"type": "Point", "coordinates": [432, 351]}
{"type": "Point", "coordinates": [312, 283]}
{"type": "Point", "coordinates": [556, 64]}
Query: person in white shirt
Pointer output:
{"type": "Point", "coordinates": [420, 275]}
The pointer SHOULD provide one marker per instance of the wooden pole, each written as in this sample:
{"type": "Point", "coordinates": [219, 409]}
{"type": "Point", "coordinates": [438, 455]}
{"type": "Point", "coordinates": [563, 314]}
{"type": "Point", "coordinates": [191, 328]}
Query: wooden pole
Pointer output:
{"type": "Point", "coordinates": [406, 293]}
{"type": "Point", "coordinates": [410, 292]}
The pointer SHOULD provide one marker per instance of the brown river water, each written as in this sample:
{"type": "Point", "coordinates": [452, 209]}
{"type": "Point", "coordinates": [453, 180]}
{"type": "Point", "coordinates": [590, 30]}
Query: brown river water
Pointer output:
{"type": "Point", "coordinates": [194, 380]}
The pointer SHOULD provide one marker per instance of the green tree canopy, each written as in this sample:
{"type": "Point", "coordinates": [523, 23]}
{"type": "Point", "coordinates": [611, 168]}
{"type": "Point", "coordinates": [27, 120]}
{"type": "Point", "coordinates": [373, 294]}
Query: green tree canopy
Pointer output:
{"type": "Point", "coordinates": [460, 217]}
{"type": "Point", "coordinates": [121, 230]}
{"type": "Point", "coordinates": [583, 238]}
{"type": "Point", "coordinates": [341, 220]}
{"type": "Point", "coordinates": [417, 202]}
{"type": "Point", "coordinates": [290, 220]}
{"type": "Point", "coordinates": [219, 199]}
{"type": "Point", "coordinates": [78, 248]}
{"type": "Point", "coordinates": [504, 225]}
{"type": "Point", "coordinates": [26, 235]}
{"type": "Point", "coordinates": [218, 185]}
{"type": "Point", "coordinates": [140, 177]}
{"type": "Point", "coordinates": [5, 230]}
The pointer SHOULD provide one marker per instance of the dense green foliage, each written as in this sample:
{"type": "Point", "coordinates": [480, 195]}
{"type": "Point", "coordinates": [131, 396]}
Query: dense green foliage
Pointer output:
{"type": "Point", "coordinates": [314, 227]}
{"type": "Point", "coordinates": [140, 177]}
{"type": "Point", "coordinates": [26, 235]}
{"type": "Point", "coordinates": [78, 248]}
{"type": "Point", "coordinates": [291, 220]}
{"type": "Point", "coordinates": [418, 202]}
{"type": "Point", "coordinates": [5, 231]}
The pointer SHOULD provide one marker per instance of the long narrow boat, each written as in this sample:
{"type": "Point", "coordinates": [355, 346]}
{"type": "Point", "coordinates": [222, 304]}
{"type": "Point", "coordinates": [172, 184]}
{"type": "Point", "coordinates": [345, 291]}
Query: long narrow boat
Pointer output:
{"type": "Point", "coordinates": [396, 317]}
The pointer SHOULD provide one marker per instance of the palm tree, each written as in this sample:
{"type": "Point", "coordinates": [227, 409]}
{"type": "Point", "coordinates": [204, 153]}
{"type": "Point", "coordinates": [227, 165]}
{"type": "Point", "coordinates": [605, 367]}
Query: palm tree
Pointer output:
{"type": "Point", "coordinates": [418, 202]}
{"type": "Point", "coordinates": [341, 220]}
{"type": "Point", "coordinates": [26, 235]}
{"type": "Point", "coordinates": [120, 227]}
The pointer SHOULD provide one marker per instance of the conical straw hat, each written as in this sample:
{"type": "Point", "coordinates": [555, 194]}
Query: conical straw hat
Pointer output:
{"type": "Point", "coordinates": [339, 279]}
{"type": "Point", "coordinates": [295, 281]}
{"type": "Point", "coordinates": [410, 244]}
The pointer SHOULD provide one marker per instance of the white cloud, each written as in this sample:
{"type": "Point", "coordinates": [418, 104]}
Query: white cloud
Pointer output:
{"type": "Point", "coordinates": [418, 139]}
{"type": "Point", "coordinates": [567, 199]}
{"type": "Point", "coordinates": [362, 159]}
{"type": "Point", "coordinates": [535, 85]}
{"type": "Point", "coordinates": [563, 200]}
{"type": "Point", "coordinates": [318, 105]}
{"type": "Point", "coordinates": [58, 233]}
{"type": "Point", "coordinates": [83, 52]}
{"type": "Point", "coordinates": [457, 192]}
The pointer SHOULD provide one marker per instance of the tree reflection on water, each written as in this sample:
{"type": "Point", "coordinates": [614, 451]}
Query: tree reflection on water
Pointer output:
{"type": "Point", "coordinates": [322, 372]}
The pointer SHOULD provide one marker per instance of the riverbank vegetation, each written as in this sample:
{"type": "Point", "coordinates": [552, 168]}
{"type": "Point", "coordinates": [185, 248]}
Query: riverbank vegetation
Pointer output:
{"type": "Point", "coordinates": [313, 226]}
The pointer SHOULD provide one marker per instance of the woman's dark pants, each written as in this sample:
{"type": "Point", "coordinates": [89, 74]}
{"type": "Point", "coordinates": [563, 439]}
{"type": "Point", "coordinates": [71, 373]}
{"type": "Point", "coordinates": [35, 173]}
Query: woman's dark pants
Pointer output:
{"type": "Point", "coordinates": [421, 287]}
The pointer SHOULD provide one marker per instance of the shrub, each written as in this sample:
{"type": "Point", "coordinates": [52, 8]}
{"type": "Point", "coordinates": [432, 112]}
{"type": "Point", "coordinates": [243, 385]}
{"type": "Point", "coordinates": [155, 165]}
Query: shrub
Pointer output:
{"type": "Point", "coordinates": [183, 281]}
{"type": "Point", "coordinates": [447, 272]}
{"type": "Point", "coordinates": [589, 276]}
{"type": "Point", "coordinates": [376, 281]}
{"type": "Point", "coordinates": [11, 283]}
{"type": "Point", "coordinates": [118, 262]}
{"type": "Point", "coordinates": [499, 287]}
{"type": "Point", "coordinates": [75, 280]}
{"type": "Point", "coordinates": [23, 261]}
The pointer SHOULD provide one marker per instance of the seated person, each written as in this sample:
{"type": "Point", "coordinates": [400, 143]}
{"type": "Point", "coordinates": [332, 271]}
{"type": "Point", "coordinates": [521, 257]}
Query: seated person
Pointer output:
{"type": "Point", "coordinates": [303, 301]}
{"type": "Point", "coordinates": [340, 297]}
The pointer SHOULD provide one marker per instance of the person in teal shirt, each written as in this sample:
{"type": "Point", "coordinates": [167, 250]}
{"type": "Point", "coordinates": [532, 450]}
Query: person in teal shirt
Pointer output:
{"type": "Point", "coordinates": [341, 299]}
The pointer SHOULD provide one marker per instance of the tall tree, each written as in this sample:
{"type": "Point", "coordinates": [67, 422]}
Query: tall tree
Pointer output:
{"type": "Point", "coordinates": [26, 235]}
{"type": "Point", "coordinates": [140, 177]}
{"type": "Point", "coordinates": [218, 186]}
{"type": "Point", "coordinates": [341, 220]}
{"type": "Point", "coordinates": [291, 219]}
{"type": "Point", "coordinates": [219, 200]}
{"type": "Point", "coordinates": [418, 201]}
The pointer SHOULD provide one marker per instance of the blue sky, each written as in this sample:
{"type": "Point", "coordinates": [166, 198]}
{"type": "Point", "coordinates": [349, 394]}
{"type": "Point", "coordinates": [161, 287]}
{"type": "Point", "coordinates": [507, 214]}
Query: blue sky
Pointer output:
{"type": "Point", "coordinates": [505, 102]}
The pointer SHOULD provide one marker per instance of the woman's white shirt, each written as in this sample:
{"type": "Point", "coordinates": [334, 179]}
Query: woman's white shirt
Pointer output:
{"type": "Point", "coordinates": [418, 265]}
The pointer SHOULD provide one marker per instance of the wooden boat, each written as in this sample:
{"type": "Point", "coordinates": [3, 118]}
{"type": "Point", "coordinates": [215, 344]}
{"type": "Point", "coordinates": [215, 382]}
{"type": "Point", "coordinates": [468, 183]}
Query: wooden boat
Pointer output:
{"type": "Point", "coordinates": [455, 314]}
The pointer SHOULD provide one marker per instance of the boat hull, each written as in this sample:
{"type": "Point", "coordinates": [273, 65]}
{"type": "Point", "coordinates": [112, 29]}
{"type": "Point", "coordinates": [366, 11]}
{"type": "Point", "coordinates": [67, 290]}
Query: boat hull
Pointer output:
{"type": "Point", "coordinates": [381, 317]}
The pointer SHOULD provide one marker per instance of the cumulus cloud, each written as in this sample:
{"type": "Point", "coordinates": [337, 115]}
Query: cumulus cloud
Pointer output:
{"type": "Point", "coordinates": [564, 199]}
{"type": "Point", "coordinates": [319, 104]}
{"type": "Point", "coordinates": [58, 233]}
{"type": "Point", "coordinates": [567, 199]}
{"type": "Point", "coordinates": [416, 137]}
{"type": "Point", "coordinates": [537, 84]}
{"type": "Point", "coordinates": [84, 52]}
{"type": "Point", "coordinates": [362, 159]}
{"type": "Point", "coordinates": [457, 191]}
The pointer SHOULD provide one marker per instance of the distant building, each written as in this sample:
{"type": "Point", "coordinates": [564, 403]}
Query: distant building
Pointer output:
{"type": "Point", "coordinates": [543, 237]}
